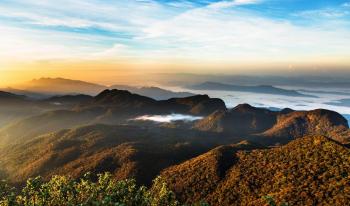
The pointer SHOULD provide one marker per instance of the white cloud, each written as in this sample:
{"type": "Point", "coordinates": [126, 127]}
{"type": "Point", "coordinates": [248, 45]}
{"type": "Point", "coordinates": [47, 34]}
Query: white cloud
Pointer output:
{"type": "Point", "coordinates": [176, 32]}
{"type": "Point", "coordinates": [168, 118]}
{"type": "Point", "coordinates": [117, 51]}
{"type": "Point", "coordinates": [234, 35]}
{"type": "Point", "coordinates": [21, 44]}
{"type": "Point", "coordinates": [232, 3]}
{"type": "Point", "coordinates": [323, 13]}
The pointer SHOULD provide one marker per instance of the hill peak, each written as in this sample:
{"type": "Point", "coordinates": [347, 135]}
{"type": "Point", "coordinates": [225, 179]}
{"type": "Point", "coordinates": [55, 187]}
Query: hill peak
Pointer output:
{"type": "Point", "coordinates": [244, 106]}
{"type": "Point", "coordinates": [115, 96]}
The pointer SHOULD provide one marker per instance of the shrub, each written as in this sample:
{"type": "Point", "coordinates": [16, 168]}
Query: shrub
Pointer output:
{"type": "Point", "coordinates": [106, 191]}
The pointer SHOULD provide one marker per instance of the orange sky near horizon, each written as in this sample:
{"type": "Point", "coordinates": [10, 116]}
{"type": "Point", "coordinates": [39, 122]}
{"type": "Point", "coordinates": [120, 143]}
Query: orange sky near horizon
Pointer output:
{"type": "Point", "coordinates": [134, 72]}
{"type": "Point", "coordinates": [121, 42]}
{"type": "Point", "coordinates": [108, 73]}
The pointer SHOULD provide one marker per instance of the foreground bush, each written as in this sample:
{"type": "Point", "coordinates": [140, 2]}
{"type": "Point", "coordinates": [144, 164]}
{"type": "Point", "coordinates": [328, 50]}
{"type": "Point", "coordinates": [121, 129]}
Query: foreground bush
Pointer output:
{"type": "Point", "coordinates": [65, 191]}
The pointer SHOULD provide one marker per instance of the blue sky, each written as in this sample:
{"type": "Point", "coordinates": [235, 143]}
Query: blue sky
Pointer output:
{"type": "Point", "coordinates": [231, 32]}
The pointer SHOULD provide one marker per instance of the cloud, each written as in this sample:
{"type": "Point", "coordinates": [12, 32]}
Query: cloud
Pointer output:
{"type": "Point", "coordinates": [236, 35]}
{"type": "Point", "coordinates": [227, 4]}
{"type": "Point", "coordinates": [24, 44]}
{"type": "Point", "coordinates": [197, 31]}
{"type": "Point", "coordinates": [168, 118]}
{"type": "Point", "coordinates": [117, 51]}
{"type": "Point", "coordinates": [323, 13]}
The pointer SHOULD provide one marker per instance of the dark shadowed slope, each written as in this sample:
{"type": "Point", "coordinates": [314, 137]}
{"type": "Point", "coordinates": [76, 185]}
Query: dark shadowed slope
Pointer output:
{"type": "Point", "coordinates": [126, 151]}
{"type": "Point", "coordinates": [243, 119]}
{"type": "Point", "coordinates": [14, 107]}
{"type": "Point", "coordinates": [309, 171]}
{"type": "Point", "coordinates": [264, 89]}
{"type": "Point", "coordinates": [10, 96]}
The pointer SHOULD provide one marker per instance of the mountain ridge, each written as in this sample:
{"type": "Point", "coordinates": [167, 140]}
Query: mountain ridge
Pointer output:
{"type": "Point", "coordinates": [282, 126]}
{"type": "Point", "coordinates": [263, 89]}
{"type": "Point", "coordinates": [47, 87]}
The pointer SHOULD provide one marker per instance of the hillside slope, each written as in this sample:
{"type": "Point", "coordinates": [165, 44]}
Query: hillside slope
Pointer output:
{"type": "Point", "coordinates": [313, 170]}
{"type": "Point", "coordinates": [271, 127]}
{"type": "Point", "coordinates": [126, 151]}
{"type": "Point", "coordinates": [243, 119]}
{"type": "Point", "coordinates": [301, 123]}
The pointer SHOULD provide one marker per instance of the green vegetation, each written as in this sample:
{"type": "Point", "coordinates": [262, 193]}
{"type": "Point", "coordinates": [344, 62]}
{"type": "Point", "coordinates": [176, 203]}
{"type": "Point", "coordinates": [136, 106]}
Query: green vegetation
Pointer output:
{"type": "Point", "coordinates": [313, 170]}
{"type": "Point", "coordinates": [66, 191]}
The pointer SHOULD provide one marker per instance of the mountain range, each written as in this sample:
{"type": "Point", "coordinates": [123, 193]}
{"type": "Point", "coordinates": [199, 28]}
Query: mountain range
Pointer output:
{"type": "Point", "coordinates": [230, 156]}
{"type": "Point", "coordinates": [108, 107]}
{"type": "Point", "coordinates": [262, 89]}
{"type": "Point", "coordinates": [47, 87]}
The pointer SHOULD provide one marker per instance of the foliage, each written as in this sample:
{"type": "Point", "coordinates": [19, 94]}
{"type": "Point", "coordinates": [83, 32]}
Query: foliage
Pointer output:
{"type": "Point", "coordinates": [313, 170]}
{"type": "Point", "coordinates": [66, 191]}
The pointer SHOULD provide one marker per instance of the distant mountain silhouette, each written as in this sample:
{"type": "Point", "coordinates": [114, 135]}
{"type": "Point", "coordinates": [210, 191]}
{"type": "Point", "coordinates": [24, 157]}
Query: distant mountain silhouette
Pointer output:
{"type": "Point", "coordinates": [264, 89]}
{"type": "Point", "coordinates": [153, 92]}
{"type": "Point", "coordinates": [55, 86]}
{"type": "Point", "coordinates": [7, 96]}
{"type": "Point", "coordinates": [68, 99]}
{"type": "Point", "coordinates": [44, 87]}
{"type": "Point", "coordinates": [28, 94]}
{"type": "Point", "coordinates": [14, 107]}
{"type": "Point", "coordinates": [295, 174]}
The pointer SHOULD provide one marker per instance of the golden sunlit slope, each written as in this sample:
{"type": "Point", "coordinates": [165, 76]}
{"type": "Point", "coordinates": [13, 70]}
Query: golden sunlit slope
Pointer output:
{"type": "Point", "coordinates": [313, 170]}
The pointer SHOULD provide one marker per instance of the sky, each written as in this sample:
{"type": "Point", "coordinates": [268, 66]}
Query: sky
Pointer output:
{"type": "Point", "coordinates": [43, 37]}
